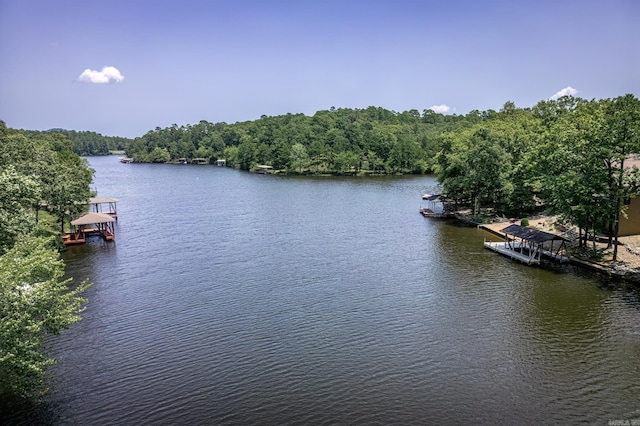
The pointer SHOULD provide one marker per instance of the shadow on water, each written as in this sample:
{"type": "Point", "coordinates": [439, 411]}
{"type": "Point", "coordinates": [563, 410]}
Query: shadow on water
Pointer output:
{"type": "Point", "coordinates": [19, 412]}
{"type": "Point", "coordinates": [233, 298]}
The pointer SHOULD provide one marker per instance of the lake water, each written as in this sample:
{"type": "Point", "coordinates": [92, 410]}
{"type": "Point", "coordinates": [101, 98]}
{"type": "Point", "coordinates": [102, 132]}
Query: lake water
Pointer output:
{"type": "Point", "coordinates": [241, 299]}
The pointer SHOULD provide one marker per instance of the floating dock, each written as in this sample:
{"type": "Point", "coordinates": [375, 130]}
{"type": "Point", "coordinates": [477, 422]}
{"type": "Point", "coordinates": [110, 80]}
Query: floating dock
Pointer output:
{"type": "Point", "coordinates": [529, 245]}
{"type": "Point", "coordinates": [513, 250]}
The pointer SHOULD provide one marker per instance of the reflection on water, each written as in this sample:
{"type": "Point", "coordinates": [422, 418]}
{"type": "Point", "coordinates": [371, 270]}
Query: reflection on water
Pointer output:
{"type": "Point", "coordinates": [232, 298]}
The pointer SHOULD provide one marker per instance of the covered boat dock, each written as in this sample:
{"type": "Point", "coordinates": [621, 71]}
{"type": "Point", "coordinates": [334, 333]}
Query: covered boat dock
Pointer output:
{"type": "Point", "coordinates": [104, 205]}
{"type": "Point", "coordinates": [263, 169]}
{"type": "Point", "coordinates": [529, 245]}
{"type": "Point", "coordinates": [90, 224]}
{"type": "Point", "coordinates": [433, 206]}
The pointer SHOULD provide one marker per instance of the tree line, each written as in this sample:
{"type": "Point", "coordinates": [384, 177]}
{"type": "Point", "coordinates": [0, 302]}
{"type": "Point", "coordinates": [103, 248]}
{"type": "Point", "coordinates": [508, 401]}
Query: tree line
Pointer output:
{"type": "Point", "coordinates": [566, 155]}
{"type": "Point", "coordinates": [41, 181]}
{"type": "Point", "coordinates": [87, 143]}
{"type": "Point", "coordinates": [338, 141]}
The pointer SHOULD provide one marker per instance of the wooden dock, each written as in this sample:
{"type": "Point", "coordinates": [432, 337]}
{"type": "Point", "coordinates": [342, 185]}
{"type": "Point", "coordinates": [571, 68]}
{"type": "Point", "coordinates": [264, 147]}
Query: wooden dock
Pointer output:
{"type": "Point", "coordinates": [104, 205]}
{"type": "Point", "coordinates": [90, 224]}
{"type": "Point", "coordinates": [99, 220]}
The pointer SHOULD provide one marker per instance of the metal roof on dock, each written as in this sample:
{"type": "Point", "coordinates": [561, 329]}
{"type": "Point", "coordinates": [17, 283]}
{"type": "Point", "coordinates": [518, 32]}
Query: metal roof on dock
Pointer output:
{"type": "Point", "coordinates": [431, 197]}
{"type": "Point", "coordinates": [530, 234]}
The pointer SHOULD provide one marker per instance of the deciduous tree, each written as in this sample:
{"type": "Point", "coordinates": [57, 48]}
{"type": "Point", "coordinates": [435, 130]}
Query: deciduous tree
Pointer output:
{"type": "Point", "coordinates": [299, 157]}
{"type": "Point", "coordinates": [19, 196]}
{"type": "Point", "coordinates": [34, 301]}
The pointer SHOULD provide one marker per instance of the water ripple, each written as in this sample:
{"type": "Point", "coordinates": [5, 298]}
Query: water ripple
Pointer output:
{"type": "Point", "coordinates": [230, 298]}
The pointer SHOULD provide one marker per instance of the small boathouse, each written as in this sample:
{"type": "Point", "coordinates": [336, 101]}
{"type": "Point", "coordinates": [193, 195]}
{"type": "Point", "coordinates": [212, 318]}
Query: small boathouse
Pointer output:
{"type": "Point", "coordinates": [90, 224]}
{"type": "Point", "coordinates": [529, 245]}
{"type": "Point", "coordinates": [263, 169]}
{"type": "Point", "coordinates": [104, 205]}
{"type": "Point", "coordinates": [433, 206]}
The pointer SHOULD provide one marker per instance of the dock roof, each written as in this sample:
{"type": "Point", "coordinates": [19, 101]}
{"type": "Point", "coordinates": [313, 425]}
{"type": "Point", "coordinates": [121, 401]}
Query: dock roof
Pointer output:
{"type": "Point", "coordinates": [530, 234]}
{"type": "Point", "coordinates": [91, 218]}
{"type": "Point", "coordinates": [100, 200]}
{"type": "Point", "coordinates": [431, 197]}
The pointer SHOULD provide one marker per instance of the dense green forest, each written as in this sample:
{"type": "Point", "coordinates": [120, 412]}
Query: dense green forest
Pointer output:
{"type": "Point", "coordinates": [340, 141]}
{"type": "Point", "coordinates": [566, 155]}
{"type": "Point", "coordinates": [88, 143]}
{"type": "Point", "coordinates": [42, 181]}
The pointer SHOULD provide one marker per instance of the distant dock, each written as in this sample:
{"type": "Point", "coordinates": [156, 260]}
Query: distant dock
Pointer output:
{"type": "Point", "coordinates": [432, 205]}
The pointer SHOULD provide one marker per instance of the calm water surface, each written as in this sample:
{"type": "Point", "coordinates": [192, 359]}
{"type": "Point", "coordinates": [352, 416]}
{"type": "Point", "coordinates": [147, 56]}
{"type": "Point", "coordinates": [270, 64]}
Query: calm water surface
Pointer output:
{"type": "Point", "coordinates": [233, 298]}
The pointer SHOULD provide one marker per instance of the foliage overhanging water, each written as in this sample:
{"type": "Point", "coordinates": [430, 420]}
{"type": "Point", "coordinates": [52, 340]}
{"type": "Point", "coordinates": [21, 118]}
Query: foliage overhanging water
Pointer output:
{"type": "Point", "coordinates": [232, 298]}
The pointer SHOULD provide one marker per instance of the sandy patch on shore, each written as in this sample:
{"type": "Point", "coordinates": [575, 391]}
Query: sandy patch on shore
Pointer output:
{"type": "Point", "coordinates": [628, 249]}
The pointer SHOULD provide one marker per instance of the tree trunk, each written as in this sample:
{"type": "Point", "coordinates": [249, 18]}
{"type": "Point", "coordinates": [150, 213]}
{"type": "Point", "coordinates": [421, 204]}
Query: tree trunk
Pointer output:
{"type": "Point", "coordinates": [616, 229]}
{"type": "Point", "coordinates": [616, 225]}
{"type": "Point", "coordinates": [612, 191]}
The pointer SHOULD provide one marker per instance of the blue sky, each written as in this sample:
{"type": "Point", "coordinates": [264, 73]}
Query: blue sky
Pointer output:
{"type": "Point", "coordinates": [185, 61]}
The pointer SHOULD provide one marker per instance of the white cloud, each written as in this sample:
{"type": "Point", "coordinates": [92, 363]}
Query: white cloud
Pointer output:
{"type": "Point", "coordinates": [441, 109]}
{"type": "Point", "coordinates": [567, 91]}
{"type": "Point", "coordinates": [107, 75]}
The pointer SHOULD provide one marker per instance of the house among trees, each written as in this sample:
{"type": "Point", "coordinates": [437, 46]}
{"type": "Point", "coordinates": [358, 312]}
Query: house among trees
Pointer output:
{"type": "Point", "coordinates": [630, 225]}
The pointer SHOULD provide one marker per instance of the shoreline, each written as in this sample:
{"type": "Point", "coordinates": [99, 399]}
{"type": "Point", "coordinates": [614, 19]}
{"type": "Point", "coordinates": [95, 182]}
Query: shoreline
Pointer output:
{"type": "Point", "coordinates": [545, 223]}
